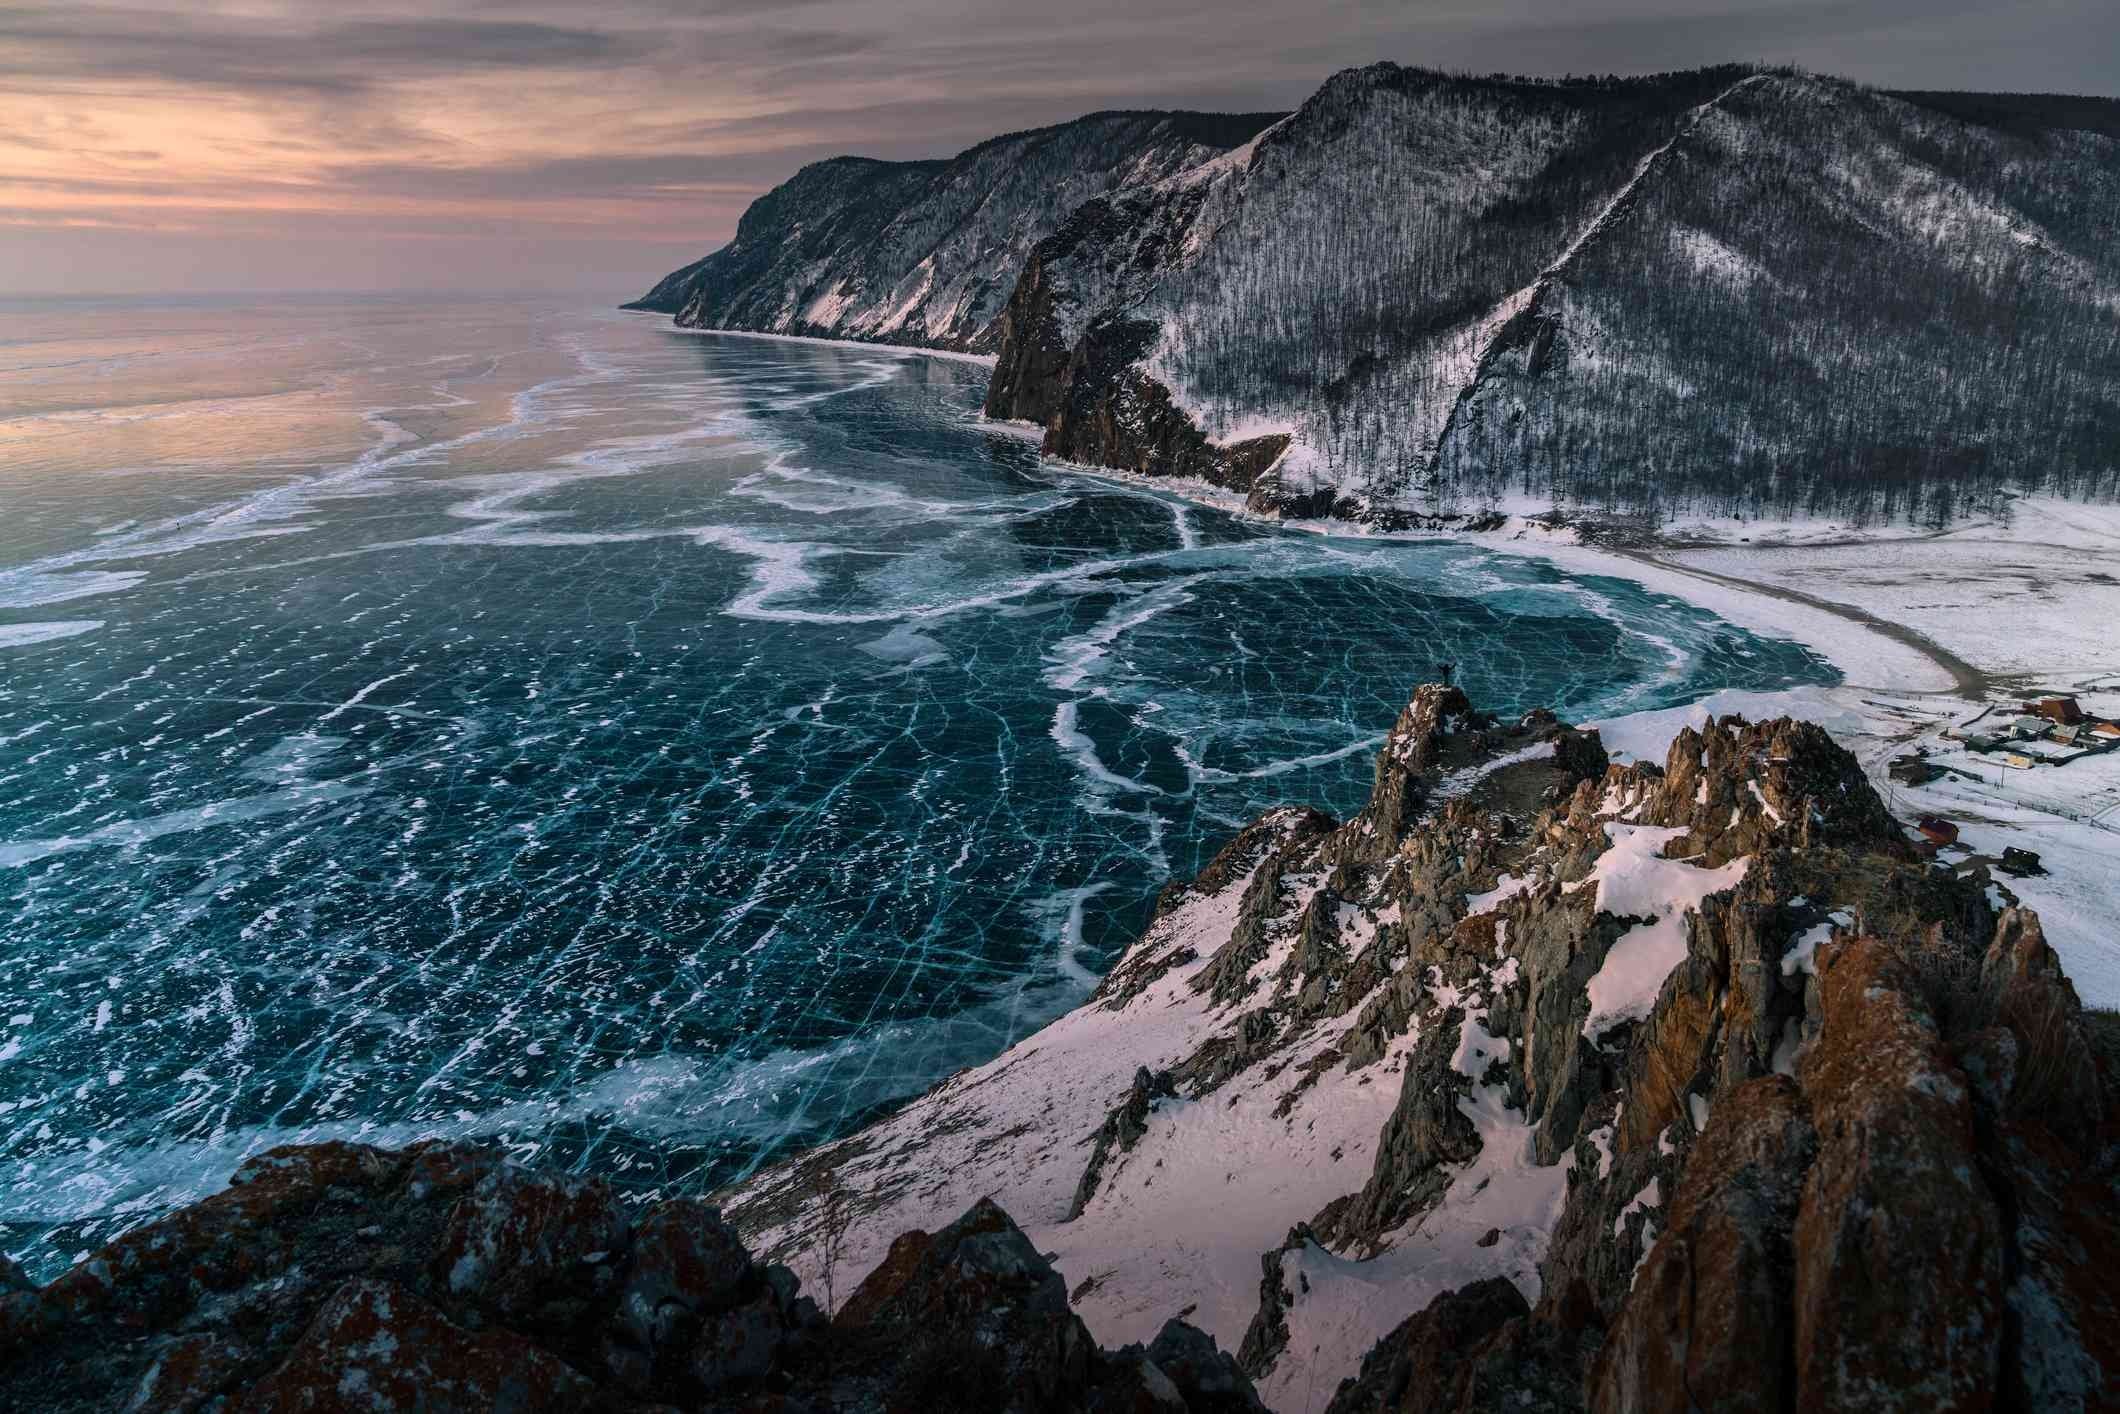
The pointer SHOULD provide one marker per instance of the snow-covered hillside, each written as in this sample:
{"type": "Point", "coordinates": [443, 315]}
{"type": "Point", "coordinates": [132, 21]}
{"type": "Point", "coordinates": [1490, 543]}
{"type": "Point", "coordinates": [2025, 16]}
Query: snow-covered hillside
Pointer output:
{"type": "Point", "coordinates": [1730, 289]}
{"type": "Point", "coordinates": [926, 253]}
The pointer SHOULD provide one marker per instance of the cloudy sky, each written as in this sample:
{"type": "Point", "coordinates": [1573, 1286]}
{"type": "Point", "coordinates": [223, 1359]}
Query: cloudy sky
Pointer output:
{"type": "Point", "coordinates": [359, 144]}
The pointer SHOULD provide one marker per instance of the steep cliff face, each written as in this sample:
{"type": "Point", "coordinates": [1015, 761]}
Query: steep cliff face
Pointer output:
{"type": "Point", "coordinates": [1549, 1083]}
{"type": "Point", "coordinates": [926, 253]}
{"type": "Point", "coordinates": [822, 210]}
{"type": "Point", "coordinates": [1762, 291]}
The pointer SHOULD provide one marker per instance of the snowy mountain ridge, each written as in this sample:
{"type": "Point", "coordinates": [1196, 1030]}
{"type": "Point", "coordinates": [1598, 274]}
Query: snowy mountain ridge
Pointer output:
{"type": "Point", "coordinates": [925, 253]}
{"type": "Point", "coordinates": [1754, 291]}
{"type": "Point", "coordinates": [1731, 291]}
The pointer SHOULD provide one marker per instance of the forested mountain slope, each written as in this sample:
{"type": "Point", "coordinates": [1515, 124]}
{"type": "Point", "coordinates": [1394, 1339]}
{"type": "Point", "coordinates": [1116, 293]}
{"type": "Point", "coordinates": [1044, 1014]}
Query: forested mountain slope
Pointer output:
{"type": "Point", "coordinates": [926, 252]}
{"type": "Point", "coordinates": [1727, 290]}
{"type": "Point", "coordinates": [1731, 289]}
{"type": "Point", "coordinates": [1823, 295]}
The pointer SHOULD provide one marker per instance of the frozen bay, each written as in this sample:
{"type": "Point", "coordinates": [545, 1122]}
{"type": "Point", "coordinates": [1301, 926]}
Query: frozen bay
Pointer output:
{"type": "Point", "coordinates": [648, 750]}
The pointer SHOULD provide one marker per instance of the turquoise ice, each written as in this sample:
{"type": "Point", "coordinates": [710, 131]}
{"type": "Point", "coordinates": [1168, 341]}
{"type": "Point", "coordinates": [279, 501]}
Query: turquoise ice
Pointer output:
{"type": "Point", "coordinates": [647, 750]}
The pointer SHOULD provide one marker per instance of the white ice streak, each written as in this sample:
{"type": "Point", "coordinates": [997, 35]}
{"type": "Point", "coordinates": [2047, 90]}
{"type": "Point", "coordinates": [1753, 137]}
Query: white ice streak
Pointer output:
{"type": "Point", "coordinates": [23, 635]}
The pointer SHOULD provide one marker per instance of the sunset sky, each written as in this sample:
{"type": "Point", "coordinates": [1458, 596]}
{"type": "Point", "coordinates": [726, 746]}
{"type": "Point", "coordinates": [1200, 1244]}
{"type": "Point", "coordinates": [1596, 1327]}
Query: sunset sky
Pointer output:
{"type": "Point", "coordinates": [189, 145]}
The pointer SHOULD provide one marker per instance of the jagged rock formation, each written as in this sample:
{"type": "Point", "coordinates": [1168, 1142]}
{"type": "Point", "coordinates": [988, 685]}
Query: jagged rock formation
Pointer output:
{"type": "Point", "coordinates": [341, 1277]}
{"type": "Point", "coordinates": [926, 252]}
{"type": "Point", "coordinates": [1550, 1083]}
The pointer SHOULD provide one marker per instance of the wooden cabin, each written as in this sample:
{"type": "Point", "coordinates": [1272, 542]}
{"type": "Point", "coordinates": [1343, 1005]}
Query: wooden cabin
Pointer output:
{"type": "Point", "coordinates": [2062, 711]}
{"type": "Point", "coordinates": [1937, 832]}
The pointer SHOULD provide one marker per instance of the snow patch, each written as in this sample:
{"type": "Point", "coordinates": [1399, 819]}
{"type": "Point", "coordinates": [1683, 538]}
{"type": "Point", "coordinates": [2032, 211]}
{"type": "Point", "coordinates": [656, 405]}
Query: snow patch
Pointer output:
{"type": "Point", "coordinates": [1633, 879]}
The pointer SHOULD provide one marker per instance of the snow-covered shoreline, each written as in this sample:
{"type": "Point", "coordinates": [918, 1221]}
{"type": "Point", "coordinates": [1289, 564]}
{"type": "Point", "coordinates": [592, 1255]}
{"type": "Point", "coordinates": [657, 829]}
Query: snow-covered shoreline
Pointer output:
{"type": "Point", "coordinates": [983, 360]}
{"type": "Point", "coordinates": [1866, 657]}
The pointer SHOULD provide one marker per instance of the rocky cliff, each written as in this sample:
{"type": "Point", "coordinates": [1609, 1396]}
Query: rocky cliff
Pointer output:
{"type": "Point", "coordinates": [440, 1278]}
{"type": "Point", "coordinates": [926, 252]}
{"type": "Point", "coordinates": [1545, 1082]}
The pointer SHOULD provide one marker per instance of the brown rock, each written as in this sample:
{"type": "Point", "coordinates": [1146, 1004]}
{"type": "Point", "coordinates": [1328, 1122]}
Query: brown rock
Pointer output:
{"type": "Point", "coordinates": [1581, 754]}
{"type": "Point", "coordinates": [2056, 1078]}
{"type": "Point", "coordinates": [1708, 1322]}
{"type": "Point", "coordinates": [979, 1285]}
{"type": "Point", "coordinates": [687, 1265]}
{"type": "Point", "coordinates": [153, 1274]}
{"type": "Point", "coordinates": [1426, 1364]}
{"type": "Point", "coordinates": [534, 1248]}
{"type": "Point", "coordinates": [1899, 1243]}
{"type": "Point", "coordinates": [739, 1346]}
{"type": "Point", "coordinates": [376, 1348]}
{"type": "Point", "coordinates": [1423, 1143]}
{"type": "Point", "coordinates": [1674, 1047]}
{"type": "Point", "coordinates": [2065, 1297]}
{"type": "Point", "coordinates": [1204, 1376]}
{"type": "Point", "coordinates": [187, 1374]}
{"type": "Point", "coordinates": [881, 1286]}
{"type": "Point", "coordinates": [436, 1169]}
{"type": "Point", "coordinates": [1412, 749]}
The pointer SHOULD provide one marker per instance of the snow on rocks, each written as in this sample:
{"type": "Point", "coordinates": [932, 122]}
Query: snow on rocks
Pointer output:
{"type": "Point", "coordinates": [1015, 1128]}
{"type": "Point", "coordinates": [1470, 1036]}
{"type": "Point", "coordinates": [1634, 880]}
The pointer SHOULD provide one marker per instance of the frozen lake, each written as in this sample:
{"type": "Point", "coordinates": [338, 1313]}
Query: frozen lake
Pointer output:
{"type": "Point", "coordinates": [650, 750]}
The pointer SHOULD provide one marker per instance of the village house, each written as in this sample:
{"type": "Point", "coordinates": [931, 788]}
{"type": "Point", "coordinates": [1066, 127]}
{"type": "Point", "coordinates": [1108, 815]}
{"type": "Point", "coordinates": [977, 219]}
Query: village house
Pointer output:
{"type": "Point", "coordinates": [1914, 771]}
{"type": "Point", "coordinates": [2020, 862]}
{"type": "Point", "coordinates": [2062, 711]}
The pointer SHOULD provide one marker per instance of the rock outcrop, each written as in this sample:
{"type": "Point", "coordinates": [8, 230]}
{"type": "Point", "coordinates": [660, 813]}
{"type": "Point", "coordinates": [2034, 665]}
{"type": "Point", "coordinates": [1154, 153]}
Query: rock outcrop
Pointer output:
{"type": "Point", "coordinates": [1877, 1230]}
{"type": "Point", "coordinates": [1571, 1084]}
{"type": "Point", "coordinates": [1816, 1171]}
{"type": "Point", "coordinates": [341, 1277]}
